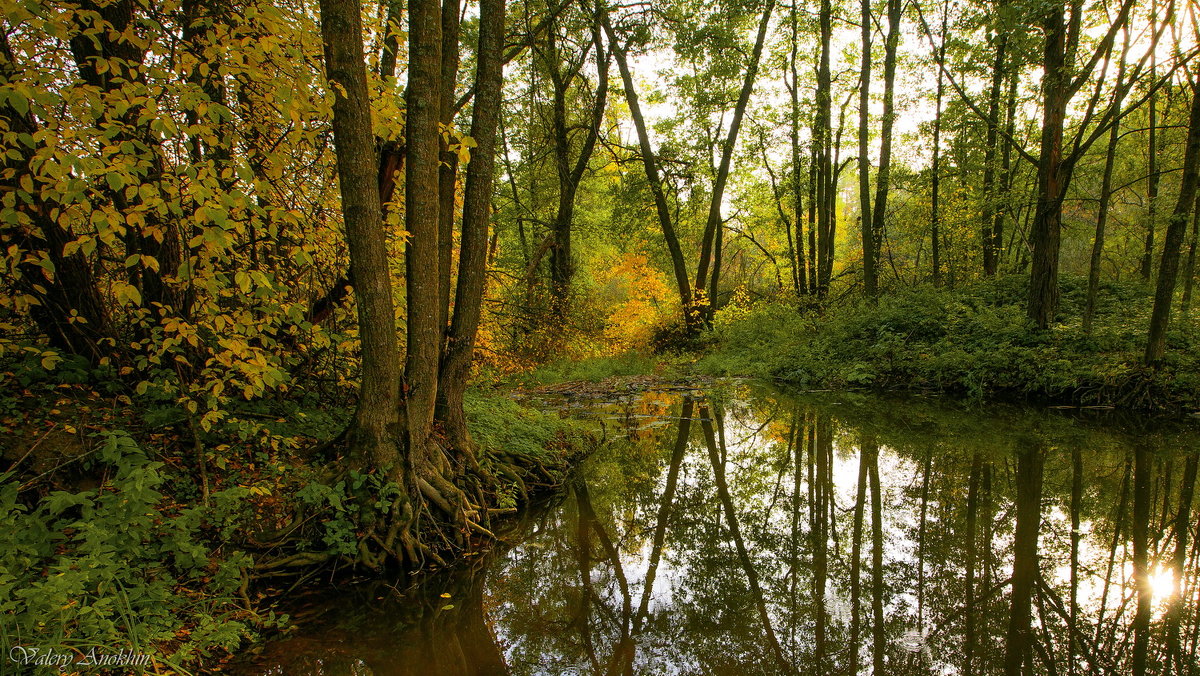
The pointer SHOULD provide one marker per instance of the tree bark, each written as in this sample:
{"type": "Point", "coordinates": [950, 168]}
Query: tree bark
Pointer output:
{"type": "Point", "coordinates": [1168, 267]}
{"type": "Point", "coordinates": [988, 234]}
{"type": "Point", "coordinates": [472, 257]}
{"type": "Point", "coordinates": [448, 167]}
{"type": "Point", "coordinates": [354, 142]}
{"type": "Point", "coordinates": [421, 206]}
{"type": "Point", "coordinates": [570, 175]}
{"type": "Point", "coordinates": [799, 263]}
{"type": "Point", "coordinates": [883, 176]}
{"type": "Point", "coordinates": [1046, 232]}
{"type": "Point", "coordinates": [822, 140]}
{"type": "Point", "coordinates": [864, 164]}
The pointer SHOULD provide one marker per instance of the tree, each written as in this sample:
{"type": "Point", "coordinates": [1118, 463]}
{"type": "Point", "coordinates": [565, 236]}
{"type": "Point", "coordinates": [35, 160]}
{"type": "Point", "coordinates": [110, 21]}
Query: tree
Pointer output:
{"type": "Point", "coordinates": [472, 261]}
{"type": "Point", "coordinates": [1168, 266]}
{"type": "Point", "coordinates": [371, 437]}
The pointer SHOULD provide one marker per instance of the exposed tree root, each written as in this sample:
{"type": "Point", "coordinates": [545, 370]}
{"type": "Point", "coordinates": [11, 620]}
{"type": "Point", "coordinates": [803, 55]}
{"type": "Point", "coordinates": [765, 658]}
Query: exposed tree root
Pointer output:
{"type": "Point", "coordinates": [447, 501]}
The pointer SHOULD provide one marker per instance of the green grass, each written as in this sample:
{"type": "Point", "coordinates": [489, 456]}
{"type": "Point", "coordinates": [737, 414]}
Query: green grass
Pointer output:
{"type": "Point", "coordinates": [974, 341]}
{"type": "Point", "coordinates": [591, 370]}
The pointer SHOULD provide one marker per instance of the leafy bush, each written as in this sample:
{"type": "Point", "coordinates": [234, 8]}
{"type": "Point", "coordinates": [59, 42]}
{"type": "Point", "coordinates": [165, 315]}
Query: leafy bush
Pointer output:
{"type": "Point", "coordinates": [122, 567]}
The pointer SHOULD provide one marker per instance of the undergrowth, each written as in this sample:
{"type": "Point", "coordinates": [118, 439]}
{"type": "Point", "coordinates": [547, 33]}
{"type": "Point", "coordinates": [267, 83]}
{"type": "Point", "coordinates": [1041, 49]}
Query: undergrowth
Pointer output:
{"type": "Point", "coordinates": [109, 543]}
{"type": "Point", "coordinates": [974, 341]}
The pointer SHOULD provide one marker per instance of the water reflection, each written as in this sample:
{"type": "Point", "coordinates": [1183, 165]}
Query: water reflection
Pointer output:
{"type": "Point", "coordinates": [751, 532]}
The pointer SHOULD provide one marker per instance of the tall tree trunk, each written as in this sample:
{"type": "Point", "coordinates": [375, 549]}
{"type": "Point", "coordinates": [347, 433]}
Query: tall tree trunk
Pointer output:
{"type": "Point", "coordinates": [935, 224]}
{"type": "Point", "coordinates": [1093, 288]}
{"type": "Point", "coordinates": [394, 26]}
{"type": "Point", "coordinates": [1007, 171]}
{"type": "Point", "coordinates": [870, 282]}
{"type": "Point", "coordinates": [715, 222]}
{"type": "Point", "coordinates": [883, 176]}
{"type": "Point", "coordinates": [354, 141]}
{"type": "Point", "coordinates": [448, 167]}
{"type": "Point", "coordinates": [1047, 224]}
{"type": "Point", "coordinates": [822, 140]}
{"type": "Point", "coordinates": [799, 263]}
{"type": "Point", "coordinates": [1168, 267]}
{"type": "Point", "coordinates": [570, 175]}
{"type": "Point", "coordinates": [472, 257]}
{"type": "Point", "coordinates": [422, 257]}
{"type": "Point", "coordinates": [1152, 178]}
{"type": "Point", "coordinates": [999, 34]}
{"type": "Point", "coordinates": [653, 177]}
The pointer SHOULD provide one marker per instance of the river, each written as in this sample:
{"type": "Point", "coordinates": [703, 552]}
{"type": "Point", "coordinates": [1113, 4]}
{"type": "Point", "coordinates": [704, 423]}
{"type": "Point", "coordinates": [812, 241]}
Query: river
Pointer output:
{"type": "Point", "coordinates": [742, 530]}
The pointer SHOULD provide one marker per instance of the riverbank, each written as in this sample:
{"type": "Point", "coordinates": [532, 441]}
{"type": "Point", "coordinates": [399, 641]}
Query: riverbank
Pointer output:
{"type": "Point", "coordinates": [127, 529]}
{"type": "Point", "coordinates": [972, 342]}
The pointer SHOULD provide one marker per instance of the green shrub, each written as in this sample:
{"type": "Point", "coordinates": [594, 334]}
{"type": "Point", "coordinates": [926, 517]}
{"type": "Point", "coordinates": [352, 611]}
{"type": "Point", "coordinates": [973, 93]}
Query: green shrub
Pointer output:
{"type": "Point", "coordinates": [120, 567]}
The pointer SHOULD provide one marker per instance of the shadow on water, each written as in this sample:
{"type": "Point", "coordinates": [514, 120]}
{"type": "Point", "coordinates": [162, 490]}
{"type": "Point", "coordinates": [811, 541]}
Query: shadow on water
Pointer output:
{"type": "Point", "coordinates": [748, 531]}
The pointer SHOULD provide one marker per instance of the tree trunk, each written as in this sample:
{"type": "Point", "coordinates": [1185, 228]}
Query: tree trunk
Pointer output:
{"type": "Point", "coordinates": [1046, 232]}
{"type": "Point", "coordinates": [72, 287]}
{"type": "Point", "coordinates": [864, 165]}
{"type": "Point", "coordinates": [1093, 288]}
{"type": "Point", "coordinates": [472, 257]}
{"type": "Point", "coordinates": [822, 140]}
{"type": "Point", "coordinates": [988, 235]}
{"type": "Point", "coordinates": [570, 175]}
{"type": "Point", "coordinates": [883, 176]}
{"type": "Point", "coordinates": [159, 237]}
{"type": "Point", "coordinates": [1152, 177]}
{"type": "Point", "coordinates": [1168, 267]}
{"type": "Point", "coordinates": [935, 224]}
{"type": "Point", "coordinates": [799, 262]}
{"type": "Point", "coordinates": [714, 222]}
{"type": "Point", "coordinates": [422, 259]}
{"type": "Point", "coordinates": [354, 141]}
{"type": "Point", "coordinates": [650, 162]}
{"type": "Point", "coordinates": [448, 167]}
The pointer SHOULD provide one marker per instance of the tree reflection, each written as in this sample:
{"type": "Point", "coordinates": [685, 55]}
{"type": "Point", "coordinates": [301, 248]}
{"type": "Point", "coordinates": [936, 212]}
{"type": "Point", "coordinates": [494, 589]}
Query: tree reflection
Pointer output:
{"type": "Point", "coordinates": [710, 542]}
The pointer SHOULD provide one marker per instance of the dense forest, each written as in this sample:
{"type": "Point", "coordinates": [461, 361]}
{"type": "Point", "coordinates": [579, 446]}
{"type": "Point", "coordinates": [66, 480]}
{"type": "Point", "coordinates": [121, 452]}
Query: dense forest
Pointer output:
{"type": "Point", "coordinates": [270, 270]}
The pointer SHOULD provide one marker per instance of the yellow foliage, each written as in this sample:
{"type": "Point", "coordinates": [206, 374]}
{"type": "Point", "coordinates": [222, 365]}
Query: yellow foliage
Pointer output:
{"type": "Point", "coordinates": [641, 300]}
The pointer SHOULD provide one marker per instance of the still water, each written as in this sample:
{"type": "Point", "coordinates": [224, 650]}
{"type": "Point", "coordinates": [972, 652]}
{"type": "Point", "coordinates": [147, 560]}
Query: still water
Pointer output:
{"type": "Point", "coordinates": [741, 530]}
